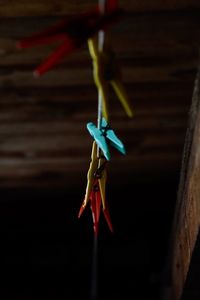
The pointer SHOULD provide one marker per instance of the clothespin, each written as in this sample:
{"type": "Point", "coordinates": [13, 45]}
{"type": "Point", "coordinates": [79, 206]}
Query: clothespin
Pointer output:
{"type": "Point", "coordinates": [74, 33]}
{"type": "Point", "coordinates": [95, 190]}
{"type": "Point", "coordinates": [105, 72]}
{"type": "Point", "coordinates": [104, 137]}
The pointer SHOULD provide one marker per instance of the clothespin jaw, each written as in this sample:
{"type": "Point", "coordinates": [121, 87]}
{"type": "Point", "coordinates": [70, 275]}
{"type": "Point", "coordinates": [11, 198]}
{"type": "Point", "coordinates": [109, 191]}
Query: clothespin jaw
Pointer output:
{"type": "Point", "coordinates": [96, 173]}
{"type": "Point", "coordinates": [95, 206]}
{"type": "Point", "coordinates": [105, 136]}
{"type": "Point", "coordinates": [99, 138]}
{"type": "Point", "coordinates": [113, 75]}
{"type": "Point", "coordinates": [90, 175]}
{"type": "Point", "coordinates": [101, 175]}
{"type": "Point", "coordinates": [95, 190]}
{"type": "Point", "coordinates": [74, 33]}
{"type": "Point", "coordinates": [106, 71]}
{"type": "Point", "coordinates": [111, 137]}
{"type": "Point", "coordinates": [108, 219]}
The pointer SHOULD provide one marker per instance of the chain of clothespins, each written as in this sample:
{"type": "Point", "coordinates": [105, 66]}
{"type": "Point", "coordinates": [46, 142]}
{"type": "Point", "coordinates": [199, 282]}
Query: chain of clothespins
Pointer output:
{"type": "Point", "coordinates": [90, 27]}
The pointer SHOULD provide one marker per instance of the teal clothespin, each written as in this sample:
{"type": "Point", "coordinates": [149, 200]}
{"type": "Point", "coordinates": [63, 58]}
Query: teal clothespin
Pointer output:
{"type": "Point", "coordinates": [111, 136]}
{"type": "Point", "coordinates": [100, 139]}
{"type": "Point", "coordinates": [105, 136]}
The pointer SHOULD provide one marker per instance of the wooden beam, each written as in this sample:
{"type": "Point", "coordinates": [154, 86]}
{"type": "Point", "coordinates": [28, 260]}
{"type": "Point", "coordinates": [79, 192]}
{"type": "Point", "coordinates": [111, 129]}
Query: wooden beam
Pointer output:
{"type": "Point", "coordinates": [62, 7]}
{"type": "Point", "coordinates": [187, 213]}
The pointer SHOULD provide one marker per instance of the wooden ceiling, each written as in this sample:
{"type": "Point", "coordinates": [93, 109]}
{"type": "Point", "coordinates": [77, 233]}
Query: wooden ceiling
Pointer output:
{"type": "Point", "coordinates": [43, 136]}
{"type": "Point", "coordinates": [44, 144]}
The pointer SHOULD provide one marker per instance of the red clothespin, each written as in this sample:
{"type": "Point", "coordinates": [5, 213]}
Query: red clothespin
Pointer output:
{"type": "Point", "coordinates": [74, 33]}
{"type": "Point", "coordinates": [95, 190]}
{"type": "Point", "coordinates": [95, 205]}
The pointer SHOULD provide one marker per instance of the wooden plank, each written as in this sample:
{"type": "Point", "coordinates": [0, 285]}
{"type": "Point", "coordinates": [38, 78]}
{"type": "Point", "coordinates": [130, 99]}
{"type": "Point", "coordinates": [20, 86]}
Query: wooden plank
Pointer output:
{"type": "Point", "coordinates": [80, 77]}
{"type": "Point", "coordinates": [41, 172]}
{"type": "Point", "coordinates": [163, 57]}
{"type": "Point", "coordinates": [56, 144]}
{"type": "Point", "coordinates": [158, 29]}
{"type": "Point", "coordinates": [24, 121]}
{"type": "Point", "coordinates": [28, 59]}
{"type": "Point", "coordinates": [187, 215]}
{"type": "Point", "coordinates": [61, 7]}
{"type": "Point", "coordinates": [148, 97]}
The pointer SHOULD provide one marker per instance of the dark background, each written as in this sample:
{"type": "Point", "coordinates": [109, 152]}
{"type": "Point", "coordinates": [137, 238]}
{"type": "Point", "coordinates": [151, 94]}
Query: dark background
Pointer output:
{"type": "Point", "coordinates": [47, 252]}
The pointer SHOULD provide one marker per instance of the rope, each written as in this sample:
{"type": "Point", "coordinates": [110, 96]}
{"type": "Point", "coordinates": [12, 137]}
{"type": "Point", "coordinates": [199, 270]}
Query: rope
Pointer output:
{"type": "Point", "coordinates": [94, 280]}
{"type": "Point", "coordinates": [101, 38]}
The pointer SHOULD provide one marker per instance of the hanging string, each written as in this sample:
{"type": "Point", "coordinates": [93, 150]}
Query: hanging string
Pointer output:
{"type": "Point", "coordinates": [94, 275]}
{"type": "Point", "coordinates": [101, 38]}
{"type": "Point", "coordinates": [94, 279]}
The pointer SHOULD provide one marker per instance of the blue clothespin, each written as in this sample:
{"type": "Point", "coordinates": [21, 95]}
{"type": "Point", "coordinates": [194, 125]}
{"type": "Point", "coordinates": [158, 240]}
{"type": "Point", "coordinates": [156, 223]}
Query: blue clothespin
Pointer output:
{"type": "Point", "coordinates": [105, 136]}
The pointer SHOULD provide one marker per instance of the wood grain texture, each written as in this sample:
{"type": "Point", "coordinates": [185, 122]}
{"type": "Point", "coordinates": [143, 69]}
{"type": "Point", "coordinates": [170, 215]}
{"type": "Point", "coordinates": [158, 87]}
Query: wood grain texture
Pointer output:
{"type": "Point", "coordinates": [43, 121]}
{"type": "Point", "coordinates": [187, 215]}
{"type": "Point", "coordinates": [61, 7]}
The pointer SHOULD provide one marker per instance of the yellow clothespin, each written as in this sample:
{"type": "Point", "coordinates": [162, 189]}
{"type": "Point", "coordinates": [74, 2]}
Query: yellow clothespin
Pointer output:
{"type": "Point", "coordinates": [96, 173]}
{"type": "Point", "coordinates": [105, 72]}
